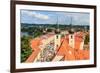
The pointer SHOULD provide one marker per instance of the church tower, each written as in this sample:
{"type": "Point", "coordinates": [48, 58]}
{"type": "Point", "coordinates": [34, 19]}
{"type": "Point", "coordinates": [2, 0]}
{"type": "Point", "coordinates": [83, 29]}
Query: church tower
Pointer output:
{"type": "Point", "coordinates": [71, 36]}
{"type": "Point", "coordinates": [71, 39]}
{"type": "Point", "coordinates": [57, 37]}
{"type": "Point", "coordinates": [82, 43]}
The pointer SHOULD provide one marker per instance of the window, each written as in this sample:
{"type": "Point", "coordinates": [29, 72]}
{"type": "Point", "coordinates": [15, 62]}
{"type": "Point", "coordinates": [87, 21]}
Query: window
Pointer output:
{"type": "Point", "coordinates": [57, 36]}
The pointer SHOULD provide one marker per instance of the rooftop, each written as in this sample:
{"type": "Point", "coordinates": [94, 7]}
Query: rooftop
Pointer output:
{"type": "Point", "coordinates": [64, 50]}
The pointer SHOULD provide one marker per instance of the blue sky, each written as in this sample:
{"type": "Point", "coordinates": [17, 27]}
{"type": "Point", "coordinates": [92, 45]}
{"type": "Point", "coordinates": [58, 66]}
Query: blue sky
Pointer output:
{"type": "Point", "coordinates": [50, 17]}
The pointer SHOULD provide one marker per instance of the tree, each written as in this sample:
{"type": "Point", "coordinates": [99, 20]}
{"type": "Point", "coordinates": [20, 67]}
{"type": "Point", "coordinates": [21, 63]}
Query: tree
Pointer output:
{"type": "Point", "coordinates": [25, 48]}
{"type": "Point", "coordinates": [86, 41]}
{"type": "Point", "coordinates": [37, 33]}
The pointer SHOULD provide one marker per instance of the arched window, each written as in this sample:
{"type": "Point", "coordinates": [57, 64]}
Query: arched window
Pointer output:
{"type": "Point", "coordinates": [57, 36]}
{"type": "Point", "coordinates": [71, 36]}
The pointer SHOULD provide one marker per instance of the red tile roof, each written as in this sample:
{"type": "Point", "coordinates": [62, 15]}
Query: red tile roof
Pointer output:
{"type": "Point", "coordinates": [70, 53]}
{"type": "Point", "coordinates": [65, 50]}
{"type": "Point", "coordinates": [35, 43]}
{"type": "Point", "coordinates": [35, 46]}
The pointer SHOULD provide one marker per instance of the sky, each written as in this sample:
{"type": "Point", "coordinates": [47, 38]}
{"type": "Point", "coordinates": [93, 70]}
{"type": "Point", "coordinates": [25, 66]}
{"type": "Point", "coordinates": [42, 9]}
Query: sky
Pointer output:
{"type": "Point", "coordinates": [53, 17]}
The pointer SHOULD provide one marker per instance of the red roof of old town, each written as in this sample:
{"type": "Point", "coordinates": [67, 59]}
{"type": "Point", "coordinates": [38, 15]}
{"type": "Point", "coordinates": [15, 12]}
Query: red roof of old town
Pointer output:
{"type": "Point", "coordinates": [65, 50]}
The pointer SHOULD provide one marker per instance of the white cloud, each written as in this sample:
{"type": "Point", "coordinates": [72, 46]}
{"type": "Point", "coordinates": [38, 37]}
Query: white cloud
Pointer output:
{"type": "Point", "coordinates": [79, 18]}
{"type": "Point", "coordinates": [37, 15]}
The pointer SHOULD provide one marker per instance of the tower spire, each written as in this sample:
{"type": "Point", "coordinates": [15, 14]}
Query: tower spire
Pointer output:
{"type": "Point", "coordinates": [70, 22]}
{"type": "Point", "coordinates": [57, 27]}
{"type": "Point", "coordinates": [57, 23]}
{"type": "Point", "coordinates": [57, 36]}
{"type": "Point", "coordinates": [71, 35]}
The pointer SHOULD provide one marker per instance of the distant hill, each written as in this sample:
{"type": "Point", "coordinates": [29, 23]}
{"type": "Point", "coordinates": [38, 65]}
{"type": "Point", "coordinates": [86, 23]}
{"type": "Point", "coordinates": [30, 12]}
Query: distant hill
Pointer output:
{"type": "Point", "coordinates": [61, 26]}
